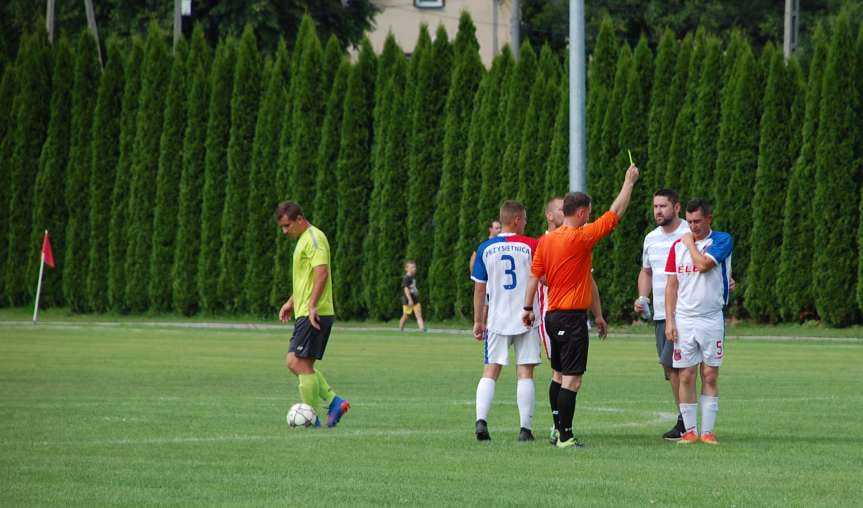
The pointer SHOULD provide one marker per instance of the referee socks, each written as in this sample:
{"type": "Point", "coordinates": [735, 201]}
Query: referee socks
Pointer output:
{"type": "Point", "coordinates": [566, 406]}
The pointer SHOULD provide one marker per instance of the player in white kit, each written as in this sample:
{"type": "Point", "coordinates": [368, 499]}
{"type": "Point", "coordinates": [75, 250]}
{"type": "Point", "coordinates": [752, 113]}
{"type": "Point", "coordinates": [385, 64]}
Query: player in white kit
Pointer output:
{"type": "Point", "coordinates": [500, 275]}
{"type": "Point", "coordinates": [699, 270]}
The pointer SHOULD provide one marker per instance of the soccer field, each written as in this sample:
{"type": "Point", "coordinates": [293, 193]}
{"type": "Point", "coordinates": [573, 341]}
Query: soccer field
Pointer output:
{"type": "Point", "coordinates": [134, 414]}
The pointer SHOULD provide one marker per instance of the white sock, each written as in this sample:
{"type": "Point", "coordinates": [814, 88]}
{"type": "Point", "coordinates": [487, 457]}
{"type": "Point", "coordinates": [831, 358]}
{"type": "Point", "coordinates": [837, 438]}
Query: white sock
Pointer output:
{"type": "Point", "coordinates": [690, 416]}
{"type": "Point", "coordinates": [709, 408]}
{"type": "Point", "coordinates": [484, 396]}
{"type": "Point", "coordinates": [525, 394]}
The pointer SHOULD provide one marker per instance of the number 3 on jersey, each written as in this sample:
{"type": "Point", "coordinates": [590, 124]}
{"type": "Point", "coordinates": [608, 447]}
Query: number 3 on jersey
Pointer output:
{"type": "Point", "coordinates": [510, 271]}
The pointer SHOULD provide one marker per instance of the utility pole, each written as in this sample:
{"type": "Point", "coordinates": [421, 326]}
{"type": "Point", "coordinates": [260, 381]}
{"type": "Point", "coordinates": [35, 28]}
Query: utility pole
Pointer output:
{"type": "Point", "coordinates": [49, 21]}
{"type": "Point", "coordinates": [178, 22]}
{"type": "Point", "coordinates": [577, 75]}
{"type": "Point", "coordinates": [91, 23]}
{"type": "Point", "coordinates": [494, 28]}
{"type": "Point", "coordinates": [515, 28]}
{"type": "Point", "coordinates": [792, 21]}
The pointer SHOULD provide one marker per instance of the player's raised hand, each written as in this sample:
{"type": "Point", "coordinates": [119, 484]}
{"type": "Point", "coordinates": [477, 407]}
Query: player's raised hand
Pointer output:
{"type": "Point", "coordinates": [479, 331]}
{"type": "Point", "coordinates": [631, 174]}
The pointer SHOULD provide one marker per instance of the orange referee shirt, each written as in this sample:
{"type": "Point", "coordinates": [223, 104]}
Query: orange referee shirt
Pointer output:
{"type": "Point", "coordinates": [564, 258]}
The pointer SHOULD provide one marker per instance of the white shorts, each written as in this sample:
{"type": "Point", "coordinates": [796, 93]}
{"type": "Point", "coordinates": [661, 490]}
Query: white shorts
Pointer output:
{"type": "Point", "coordinates": [699, 339]}
{"type": "Point", "coordinates": [526, 345]}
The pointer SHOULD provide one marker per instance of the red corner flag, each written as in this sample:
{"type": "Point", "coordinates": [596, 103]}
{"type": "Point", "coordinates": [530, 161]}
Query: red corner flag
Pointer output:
{"type": "Point", "coordinates": [46, 251]}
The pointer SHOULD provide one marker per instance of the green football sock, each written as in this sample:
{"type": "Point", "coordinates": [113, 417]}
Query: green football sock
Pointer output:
{"type": "Point", "coordinates": [309, 390]}
{"type": "Point", "coordinates": [324, 391]}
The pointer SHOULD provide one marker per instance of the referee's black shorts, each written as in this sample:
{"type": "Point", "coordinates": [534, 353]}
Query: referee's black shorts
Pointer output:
{"type": "Point", "coordinates": [569, 340]}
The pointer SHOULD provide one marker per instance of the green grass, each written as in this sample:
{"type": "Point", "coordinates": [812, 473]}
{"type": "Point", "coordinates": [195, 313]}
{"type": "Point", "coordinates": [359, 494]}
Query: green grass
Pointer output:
{"type": "Point", "coordinates": [136, 415]}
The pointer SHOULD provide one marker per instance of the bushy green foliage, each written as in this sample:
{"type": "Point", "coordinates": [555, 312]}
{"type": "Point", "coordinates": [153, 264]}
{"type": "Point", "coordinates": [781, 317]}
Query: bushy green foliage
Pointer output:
{"type": "Point", "coordinates": [32, 114]}
{"type": "Point", "coordinates": [118, 237]}
{"type": "Point", "coordinates": [49, 206]}
{"type": "Point", "coordinates": [674, 101]}
{"type": "Point", "coordinates": [600, 80]}
{"type": "Point", "coordinates": [557, 170]}
{"type": "Point", "coordinates": [184, 287]}
{"type": "Point", "coordinates": [326, 195]}
{"type": "Point", "coordinates": [165, 216]}
{"type": "Point", "coordinates": [837, 184]}
{"type": "Point", "coordinates": [517, 102]}
{"type": "Point", "coordinates": [8, 90]}
{"type": "Point", "coordinates": [678, 174]}
{"type": "Point", "coordinates": [244, 113]}
{"type": "Point", "coordinates": [104, 154]}
{"type": "Point", "coordinates": [775, 156]}
{"type": "Point", "coordinates": [215, 173]}
{"type": "Point", "coordinates": [707, 115]}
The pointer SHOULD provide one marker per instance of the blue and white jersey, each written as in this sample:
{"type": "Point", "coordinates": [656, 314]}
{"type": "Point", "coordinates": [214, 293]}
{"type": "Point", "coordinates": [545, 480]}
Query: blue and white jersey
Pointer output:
{"type": "Point", "coordinates": [701, 293]}
{"type": "Point", "coordinates": [503, 264]}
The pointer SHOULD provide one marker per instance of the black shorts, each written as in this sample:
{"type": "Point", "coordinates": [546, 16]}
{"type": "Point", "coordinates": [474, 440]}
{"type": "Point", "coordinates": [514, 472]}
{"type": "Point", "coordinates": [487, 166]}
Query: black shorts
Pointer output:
{"type": "Point", "coordinates": [569, 340]}
{"type": "Point", "coordinates": [309, 342]}
{"type": "Point", "coordinates": [664, 347]}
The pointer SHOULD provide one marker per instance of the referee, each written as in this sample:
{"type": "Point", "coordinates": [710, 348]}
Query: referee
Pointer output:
{"type": "Point", "coordinates": [563, 259]}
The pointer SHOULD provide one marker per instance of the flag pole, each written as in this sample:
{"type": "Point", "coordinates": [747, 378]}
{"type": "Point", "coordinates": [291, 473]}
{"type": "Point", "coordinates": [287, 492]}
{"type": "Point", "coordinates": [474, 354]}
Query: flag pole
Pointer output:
{"type": "Point", "coordinates": [39, 286]}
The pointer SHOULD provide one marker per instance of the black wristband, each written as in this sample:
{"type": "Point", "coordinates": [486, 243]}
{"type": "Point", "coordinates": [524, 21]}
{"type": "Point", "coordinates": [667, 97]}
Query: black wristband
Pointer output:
{"type": "Point", "coordinates": [530, 308]}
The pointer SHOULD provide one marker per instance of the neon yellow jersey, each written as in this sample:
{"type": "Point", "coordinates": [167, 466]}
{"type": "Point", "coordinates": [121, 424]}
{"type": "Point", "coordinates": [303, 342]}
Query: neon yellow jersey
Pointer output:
{"type": "Point", "coordinates": [312, 250]}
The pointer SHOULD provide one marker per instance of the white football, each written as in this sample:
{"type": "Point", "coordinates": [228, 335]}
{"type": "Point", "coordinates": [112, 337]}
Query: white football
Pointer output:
{"type": "Point", "coordinates": [301, 415]}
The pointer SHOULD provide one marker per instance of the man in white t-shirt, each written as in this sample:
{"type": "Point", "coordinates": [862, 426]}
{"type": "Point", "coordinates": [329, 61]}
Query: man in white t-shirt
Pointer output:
{"type": "Point", "coordinates": [654, 254]}
{"type": "Point", "coordinates": [699, 272]}
{"type": "Point", "coordinates": [500, 275]}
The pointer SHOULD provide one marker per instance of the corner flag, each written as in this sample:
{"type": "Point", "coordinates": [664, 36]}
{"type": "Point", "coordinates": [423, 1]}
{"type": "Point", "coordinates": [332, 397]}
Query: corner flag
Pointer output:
{"type": "Point", "coordinates": [47, 259]}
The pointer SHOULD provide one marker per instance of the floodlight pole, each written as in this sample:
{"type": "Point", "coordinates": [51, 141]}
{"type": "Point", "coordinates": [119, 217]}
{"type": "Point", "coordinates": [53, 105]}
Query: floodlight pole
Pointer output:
{"type": "Point", "coordinates": [515, 28]}
{"type": "Point", "coordinates": [792, 26]}
{"type": "Point", "coordinates": [91, 23]}
{"type": "Point", "coordinates": [494, 28]}
{"type": "Point", "coordinates": [49, 20]}
{"type": "Point", "coordinates": [577, 75]}
{"type": "Point", "coordinates": [178, 22]}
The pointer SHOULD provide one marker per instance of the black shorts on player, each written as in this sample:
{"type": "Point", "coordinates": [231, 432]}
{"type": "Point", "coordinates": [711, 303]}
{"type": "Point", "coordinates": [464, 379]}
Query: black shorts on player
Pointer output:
{"type": "Point", "coordinates": [309, 342]}
{"type": "Point", "coordinates": [569, 341]}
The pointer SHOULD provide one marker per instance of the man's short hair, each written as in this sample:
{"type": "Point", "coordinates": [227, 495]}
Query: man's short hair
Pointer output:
{"type": "Point", "coordinates": [509, 210]}
{"type": "Point", "coordinates": [574, 201]}
{"type": "Point", "coordinates": [288, 209]}
{"type": "Point", "coordinates": [550, 202]}
{"type": "Point", "coordinates": [669, 194]}
{"type": "Point", "coordinates": [697, 204]}
{"type": "Point", "coordinates": [410, 262]}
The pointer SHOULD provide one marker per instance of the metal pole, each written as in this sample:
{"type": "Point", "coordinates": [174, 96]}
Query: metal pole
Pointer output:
{"type": "Point", "coordinates": [38, 289]}
{"type": "Point", "coordinates": [178, 21]}
{"type": "Point", "coordinates": [792, 21]}
{"type": "Point", "coordinates": [91, 23]}
{"type": "Point", "coordinates": [577, 75]}
{"type": "Point", "coordinates": [515, 27]}
{"type": "Point", "coordinates": [49, 20]}
{"type": "Point", "coordinates": [494, 28]}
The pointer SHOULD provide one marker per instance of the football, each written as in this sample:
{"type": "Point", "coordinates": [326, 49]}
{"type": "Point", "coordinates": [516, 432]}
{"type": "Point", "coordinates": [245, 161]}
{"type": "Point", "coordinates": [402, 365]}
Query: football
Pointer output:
{"type": "Point", "coordinates": [301, 415]}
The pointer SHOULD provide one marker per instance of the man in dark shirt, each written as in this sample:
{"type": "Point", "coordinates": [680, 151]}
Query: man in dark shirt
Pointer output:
{"type": "Point", "coordinates": [411, 297]}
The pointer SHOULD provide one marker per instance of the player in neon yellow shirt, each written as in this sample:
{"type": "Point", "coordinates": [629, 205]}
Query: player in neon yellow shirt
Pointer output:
{"type": "Point", "coordinates": [312, 306]}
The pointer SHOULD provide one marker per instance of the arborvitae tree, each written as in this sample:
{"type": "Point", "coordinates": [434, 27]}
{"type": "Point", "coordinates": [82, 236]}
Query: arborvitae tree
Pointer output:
{"type": "Point", "coordinates": [333, 56]}
{"type": "Point", "coordinates": [244, 114]}
{"type": "Point", "coordinates": [557, 171]}
{"type": "Point", "coordinates": [465, 80]}
{"type": "Point", "coordinates": [185, 268]}
{"type": "Point", "coordinates": [326, 196]}
{"type": "Point", "coordinates": [860, 158]}
{"type": "Point", "coordinates": [600, 79]}
{"type": "Point", "coordinates": [392, 238]}
{"type": "Point", "coordinates": [118, 238]}
{"type": "Point", "coordinates": [354, 184]}
{"type": "Point", "coordinates": [674, 100]}
{"type": "Point", "coordinates": [426, 151]}
{"type": "Point", "coordinates": [517, 101]}
{"type": "Point", "coordinates": [391, 56]}
{"type": "Point", "coordinates": [678, 174]}
{"type": "Point", "coordinates": [736, 163]}
{"type": "Point", "coordinates": [32, 114]}
{"type": "Point", "coordinates": [155, 71]}
{"type": "Point", "coordinates": [215, 173]}
{"type": "Point", "coordinates": [423, 44]}
{"type": "Point", "coordinates": [104, 153]}
{"type": "Point", "coordinates": [707, 115]}
{"type": "Point", "coordinates": [8, 90]}
{"type": "Point", "coordinates": [836, 184]}
{"type": "Point", "coordinates": [85, 88]}
{"type": "Point", "coordinates": [471, 183]}
{"type": "Point", "coordinates": [628, 237]}
{"type": "Point", "coordinates": [663, 77]}
{"type": "Point", "coordinates": [794, 281]}
{"type": "Point", "coordinates": [49, 207]}
{"type": "Point", "coordinates": [168, 184]}
{"type": "Point", "coordinates": [490, 196]}
{"type": "Point", "coordinates": [261, 231]}
{"type": "Point", "coordinates": [775, 157]}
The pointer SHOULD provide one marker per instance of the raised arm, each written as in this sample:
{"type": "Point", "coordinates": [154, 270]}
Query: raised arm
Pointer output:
{"type": "Point", "coordinates": [621, 202]}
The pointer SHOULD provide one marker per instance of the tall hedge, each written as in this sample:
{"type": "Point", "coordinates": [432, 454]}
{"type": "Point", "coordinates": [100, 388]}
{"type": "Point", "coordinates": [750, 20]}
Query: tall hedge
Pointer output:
{"type": "Point", "coordinates": [104, 154]}
{"type": "Point", "coordinates": [326, 197]}
{"type": "Point", "coordinates": [168, 184]}
{"type": "Point", "coordinates": [260, 230]}
{"type": "Point", "coordinates": [557, 169]}
{"type": "Point", "coordinates": [244, 112]}
{"type": "Point", "coordinates": [85, 89]}
{"type": "Point", "coordinates": [663, 76]}
{"type": "Point", "coordinates": [601, 70]}
{"type": "Point", "coordinates": [517, 102]}
{"type": "Point", "coordinates": [32, 114]}
{"type": "Point", "coordinates": [678, 174]}
{"type": "Point", "coordinates": [354, 184]}
{"type": "Point", "coordinates": [837, 184]}
{"type": "Point", "coordinates": [674, 101]}
{"type": "Point", "coordinates": [776, 155]}
{"type": "Point", "coordinates": [8, 90]}
{"type": "Point", "coordinates": [707, 115]}
{"type": "Point", "coordinates": [860, 158]}
{"type": "Point", "coordinates": [215, 173]}
{"type": "Point", "coordinates": [465, 81]}
{"type": "Point", "coordinates": [49, 206]}
{"type": "Point", "coordinates": [118, 237]}
{"type": "Point", "coordinates": [184, 287]}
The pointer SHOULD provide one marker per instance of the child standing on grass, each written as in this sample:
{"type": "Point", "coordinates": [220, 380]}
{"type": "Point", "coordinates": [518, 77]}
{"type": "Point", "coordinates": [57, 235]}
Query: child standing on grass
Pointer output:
{"type": "Point", "coordinates": [411, 297]}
